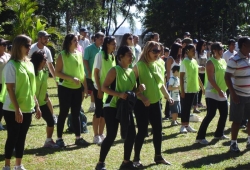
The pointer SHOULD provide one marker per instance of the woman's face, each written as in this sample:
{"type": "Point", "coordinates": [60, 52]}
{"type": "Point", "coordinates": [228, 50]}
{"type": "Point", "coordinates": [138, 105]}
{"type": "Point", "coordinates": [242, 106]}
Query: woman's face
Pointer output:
{"type": "Point", "coordinates": [74, 42]}
{"type": "Point", "coordinates": [127, 58]}
{"type": "Point", "coordinates": [204, 45]}
{"type": "Point", "coordinates": [43, 62]}
{"type": "Point", "coordinates": [154, 53]}
{"type": "Point", "coordinates": [130, 40]}
{"type": "Point", "coordinates": [25, 49]}
{"type": "Point", "coordinates": [191, 52]}
{"type": "Point", "coordinates": [219, 52]}
{"type": "Point", "coordinates": [112, 46]}
{"type": "Point", "coordinates": [180, 51]}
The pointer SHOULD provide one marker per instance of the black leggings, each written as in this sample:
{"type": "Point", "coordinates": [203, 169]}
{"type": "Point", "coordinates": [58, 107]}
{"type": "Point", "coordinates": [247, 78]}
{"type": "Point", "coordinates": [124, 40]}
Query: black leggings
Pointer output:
{"type": "Point", "coordinates": [69, 98]}
{"type": "Point", "coordinates": [186, 105]}
{"type": "Point", "coordinates": [98, 105]}
{"type": "Point", "coordinates": [112, 128]}
{"type": "Point", "coordinates": [47, 115]}
{"type": "Point", "coordinates": [212, 106]}
{"type": "Point", "coordinates": [16, 133]}
{"type": "Point", "coordinates": [144, 115]}
{"type": "Point", "coordinates": [1, 106]}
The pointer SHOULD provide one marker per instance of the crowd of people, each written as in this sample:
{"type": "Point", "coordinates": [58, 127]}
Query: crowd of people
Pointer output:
{"type": "Point", "coordinates": [125, 85]}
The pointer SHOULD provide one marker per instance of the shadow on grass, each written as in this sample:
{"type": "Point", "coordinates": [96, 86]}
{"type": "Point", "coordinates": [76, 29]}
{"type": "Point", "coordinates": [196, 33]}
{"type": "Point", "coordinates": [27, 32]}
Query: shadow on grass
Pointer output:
{"type": "Point", "coordinates": [51, 87]}
{"type": "Point", "coordinates": [239, 140]}
{"type": "Point", "coordinates": [55, 106]}
{"type": "Point", "coordinates": [212, 159]}
{"type": "Point", "coordinates": [239, 166]}
{"type": "Point", "coordinates": [53, 95]}
{"type": "Point", "coordinates": [42, 124]}
{"type": "Point", "coordinates": [226, 132]}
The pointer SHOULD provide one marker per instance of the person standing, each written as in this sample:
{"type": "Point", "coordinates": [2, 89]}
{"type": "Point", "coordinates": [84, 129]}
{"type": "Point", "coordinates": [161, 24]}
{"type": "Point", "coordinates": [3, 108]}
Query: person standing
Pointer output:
{"type": "Point", "coordinates": [231, 50]}
{"type": "Point", "coordinates": [238, 83]}
{"type": "Point", "coordinates": [104, 61]}
{"type": "Point", "coordinates": [20, 81]}
{"type": "Point", "coordinates": [88, 60]}
{"type": "Point", "coordinates": [155, 37]}
{"type": "Point", "coordinates": [128, 40]}
{"type": "Point", "coordinates": [84, 41]}
{"type": "Point", "coordinates": [69, 68]}
{"type": "Point", "coordinates": [137, 49]}
{"type": "Point", "coordinates": [4, 58]}
{"type": "Point", "coordinates": [215, 93]}
{"type": "Point", "coordinates": [43, 39]}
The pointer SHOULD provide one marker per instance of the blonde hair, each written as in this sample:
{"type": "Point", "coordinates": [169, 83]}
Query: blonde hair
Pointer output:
{"type": "Point", "coordinates": [147, 48]}
{"type": "Point", "coordinates": [19, 41]}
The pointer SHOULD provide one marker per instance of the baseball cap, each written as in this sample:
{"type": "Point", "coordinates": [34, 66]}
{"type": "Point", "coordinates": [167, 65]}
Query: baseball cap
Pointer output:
{"type": "Point", "coordinates": [195, 41]}
{"type": "Point", "coordinates": [187, 33]}
{"type": "Point", "coordinates": [3, 41]}
{"type": "Point", "coordinates": [43, 34]}
{"type": "Point", "coordinates": [83, 30]}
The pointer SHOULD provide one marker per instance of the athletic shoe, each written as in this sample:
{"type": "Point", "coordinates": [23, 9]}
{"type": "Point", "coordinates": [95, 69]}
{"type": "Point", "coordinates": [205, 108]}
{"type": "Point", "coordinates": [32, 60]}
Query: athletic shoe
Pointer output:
{"type": "Point", "coordinates": [201, 106]}
{"type": "Point", "coordinates": [128, 166]}
{"type": "Point", "coordinates": [1, 127]}
{"type": "Point", "coordinates": [174, 123]}
{"type": "Point", "coordinates": [55, 119]}
{"type": "Point", "coordinates": [21, 167]}
{"type": "Point", "coordinates": [91, 109]}
{"type": "Point", "coordinates": [102, 137]}
{"type": "Point", "coordinates": [97, 140]}
{"type": "Point", "coordinates": [183, 129]}
{"type": "Point", "coordinates": [6, 168]}
{"type": "Point", "coordinates": [234, 148]}
{"type": "Point", "coordinates": [100, 166]}
{"type": "Point", "coordinates": [224, 137]}
{"type": "Point", "coordinates": [165, 118]}
{"type": "Point", "coordinates": [50, 144]}
{"type": "Point", "coordinates": [60, 143]}
{"type": "Point", "coordinates": [202, 141]}
{"type": "Point", "coordinates": [81, 142]}
{"type": "Point", "coordinates": [161, 160]}
{"type": "Point", "coordinates": [190, 129]}
{"type": "Point", "coordinates": [196, 111]}
{"type": "Point", "coordinates": [137, 164]}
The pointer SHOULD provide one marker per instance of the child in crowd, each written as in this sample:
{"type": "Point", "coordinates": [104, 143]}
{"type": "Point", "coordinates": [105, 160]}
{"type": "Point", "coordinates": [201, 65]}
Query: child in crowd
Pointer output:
{"type": "Point", "coordinates": [174, 88]}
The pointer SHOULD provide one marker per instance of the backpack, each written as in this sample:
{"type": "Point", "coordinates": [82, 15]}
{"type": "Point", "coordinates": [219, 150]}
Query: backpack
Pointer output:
{"type": "Point", "coordinates": [83, 120]}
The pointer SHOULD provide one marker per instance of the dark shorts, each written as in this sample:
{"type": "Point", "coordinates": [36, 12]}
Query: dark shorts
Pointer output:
{"type": "Point", "coordinates": [176, 107]}
{"type": "Point", "coordinates": [241, 111]}
{"type": "Point", "coordinates": [98, 105]}
{"type": "Point", "coordinates": [90, 84]}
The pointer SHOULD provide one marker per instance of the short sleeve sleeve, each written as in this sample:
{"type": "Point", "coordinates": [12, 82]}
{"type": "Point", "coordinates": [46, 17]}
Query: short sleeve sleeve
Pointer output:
{"type": "Point", "coordinates": [98, 61]}
{"type": "Point", "coordinates": [182, 68]}
{"type": "Point", "coordinates": [231, 66]}
{"type": "Point", "coordinates": [49, 56]}
{"type": "Point", "coordinates": [9, 73]}
{"type": "Point", "coordinates": [171, 81]}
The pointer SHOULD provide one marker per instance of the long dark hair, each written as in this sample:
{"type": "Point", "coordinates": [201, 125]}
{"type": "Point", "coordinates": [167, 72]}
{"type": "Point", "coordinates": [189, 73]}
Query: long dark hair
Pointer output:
{"type": "Point", "coordinates": [124, 38]}
{"type": "Point", "coordinates": [107, 40]}
{"type": "Point", "coordinates": [36, 58]}
{"type": "Point", "coordinates": [19, 41]}
{"type": "Point", "coordinates": [67, 42]}
{"type": "Point", "coordinates": [122, 51]}
{"type": "Point", "coordinates": [199, 47]}
{"type": "Point", "coordinates": [175, 50]}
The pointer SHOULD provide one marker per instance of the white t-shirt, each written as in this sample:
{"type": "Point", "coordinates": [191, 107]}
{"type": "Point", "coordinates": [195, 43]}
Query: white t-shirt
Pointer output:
{"type": "Point", "coordinates": [97, 64]}
{"type": "Point", "coordinates": [34, 48]}
{"type": "Point", "coordinates": [175, 82]}
{"type": "Point", "coordinates": [3, 60]}
{"type": "Point", "coordinates": [227, 55]}
{"type": "Point", "coordinates": [84, 43]}
{"type": "Point", "coordinates": [173, 64]}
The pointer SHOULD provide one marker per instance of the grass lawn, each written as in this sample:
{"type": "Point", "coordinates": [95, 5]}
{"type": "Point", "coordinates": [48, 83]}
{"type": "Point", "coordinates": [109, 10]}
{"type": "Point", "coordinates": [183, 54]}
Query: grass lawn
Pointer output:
{"type": "Point", "coordinates": [178, 148]}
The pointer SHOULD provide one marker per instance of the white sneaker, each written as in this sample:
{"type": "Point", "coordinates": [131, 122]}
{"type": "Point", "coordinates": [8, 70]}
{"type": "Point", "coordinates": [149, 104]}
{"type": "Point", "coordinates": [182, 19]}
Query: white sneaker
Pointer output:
{"type": "Point", "coordinates": [21, 167]}
{"type": "Point", "coordinates": [183, 129]}
{"type": "Point", "coordinates": [6, 168]}
{"type": "Point", "coordinates": [91, 109]}
{"type": "Point", "coordinates": [102, 137]}
{"type": "Point", "coordinates": [202, 141]}
{"type": "Point", "coordinates": [97, 140]}
{"type": "Point", "coordinates": [190, 129]}
{"type": "Point", "coordinates": [1, 126]}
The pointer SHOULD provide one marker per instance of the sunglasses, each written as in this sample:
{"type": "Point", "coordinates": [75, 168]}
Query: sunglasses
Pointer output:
{"type": "Point", "coordinates": [27, 45]}
{"type": "Point", "coordinates": [130, 38]}
{"type": "Point", "coordinates": [155, 51]}
{"type": "Point", "coordinates": [3, 45]}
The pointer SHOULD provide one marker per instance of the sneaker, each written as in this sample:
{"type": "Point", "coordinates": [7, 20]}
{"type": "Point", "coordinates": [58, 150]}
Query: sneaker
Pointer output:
{"type": "Point", "coordinates": [21, 167]}
{"type": "Point", "coordinates": [224, 137]}
{"type": "Point", "coordinates": [55, 119]}
{"type": "Point", "coordinates": [97, 140]}
{"type": "Point", "coordinates": [100, 166]}
{"type": "Point", "coordinates": [60, 143]}
{"type": "Point", "coordinates": [161, 160]}
{"type": "Point", "coordinates": [196, 111]}
{"type": "Point", "coordinates": [137, 164]}
{"type": "Point", "coordinates": [102, 137]}
{"type": "Point", "coordinates": [128, 166]}
{"type": "Point", "coordinates": [234, 148]}
{"type": "Point", "coordinates": [174, 123]}
{"type": "Point", "coordinates": [248, 145]}
{"type": "Point", "coordinates": [91, 109]}
{"type": "Point", "coordinates": [201, 106]}
{"type": "Point", "coordinates": [6, 168]}
{"type": "Point", "coordinates": [81, 142]}
{"type": "Point", "coordinates": [50, 144]}
{"type": "Point", "coordinates": [1, 127]}
{"type": "Point", "coordinates": [183, 129]}
{"type": "Point", "coordinates": [190, 129]}
{"type": "Point", "coordinates": [202, 141]}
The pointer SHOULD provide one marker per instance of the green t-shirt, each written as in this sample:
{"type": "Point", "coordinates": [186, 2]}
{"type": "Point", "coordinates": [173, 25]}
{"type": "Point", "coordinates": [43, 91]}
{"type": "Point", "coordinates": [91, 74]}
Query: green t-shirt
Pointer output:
{"type": "Point", "coordinates": [41, 86]}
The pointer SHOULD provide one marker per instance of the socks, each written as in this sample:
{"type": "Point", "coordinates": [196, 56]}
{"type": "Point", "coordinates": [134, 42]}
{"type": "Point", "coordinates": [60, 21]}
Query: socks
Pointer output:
{"type": "Point", "coordinates": [92, 104]}
{"type": "Point", "coordinates": [48, 139]}
{"type": "Point", "coordinates": [233, 141]}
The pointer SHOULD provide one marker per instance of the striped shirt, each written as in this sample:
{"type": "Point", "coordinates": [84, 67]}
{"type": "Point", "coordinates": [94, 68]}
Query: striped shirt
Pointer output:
{"type": "Point", "coordinates": [239, 67]}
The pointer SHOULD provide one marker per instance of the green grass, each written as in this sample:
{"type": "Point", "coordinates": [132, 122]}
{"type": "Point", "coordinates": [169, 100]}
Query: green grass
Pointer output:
{"type": "Point", "coordinates": [178, 148]}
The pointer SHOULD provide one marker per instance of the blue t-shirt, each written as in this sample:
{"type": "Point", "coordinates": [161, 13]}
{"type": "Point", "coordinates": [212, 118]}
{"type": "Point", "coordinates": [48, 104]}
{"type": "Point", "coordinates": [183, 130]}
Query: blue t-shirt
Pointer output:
{"type": "Point", "coordinates": [89, 55]}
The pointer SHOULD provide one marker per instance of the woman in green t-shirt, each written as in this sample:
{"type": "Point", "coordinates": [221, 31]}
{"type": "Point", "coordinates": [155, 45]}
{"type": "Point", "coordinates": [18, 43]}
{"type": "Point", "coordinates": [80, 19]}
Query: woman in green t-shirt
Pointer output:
{"type": "Point", "coordinates": [39, 59]}
{"type": "Point", "coordinates": [147, 108]}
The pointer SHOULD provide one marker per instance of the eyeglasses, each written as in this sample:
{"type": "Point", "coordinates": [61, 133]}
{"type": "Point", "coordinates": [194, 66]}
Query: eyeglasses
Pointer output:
{"type": "Point", "coordinates": [3, 45]}
{"type": "Point", "coordinates": [155, 51]}
{"type": "Point", "coordinates": [27, 46]}
{"type": "Point", "coordinates": [130, 38]}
